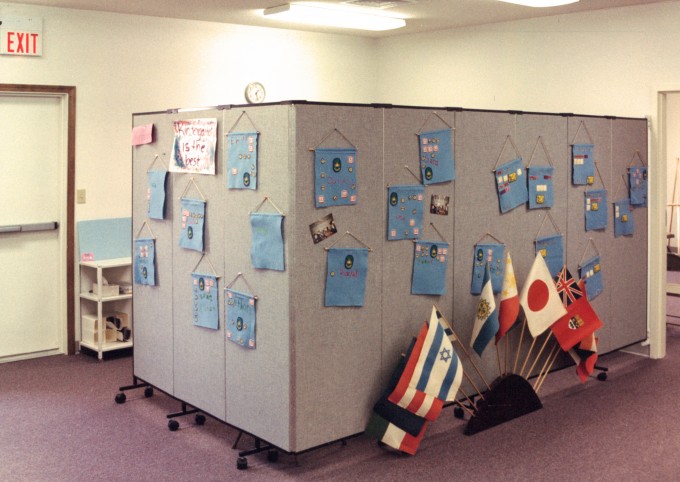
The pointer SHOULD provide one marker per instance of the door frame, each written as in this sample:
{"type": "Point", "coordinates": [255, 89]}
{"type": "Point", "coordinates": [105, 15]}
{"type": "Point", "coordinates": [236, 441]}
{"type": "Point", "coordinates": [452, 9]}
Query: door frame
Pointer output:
{"type": "Point", "coordinates": [69, 94]}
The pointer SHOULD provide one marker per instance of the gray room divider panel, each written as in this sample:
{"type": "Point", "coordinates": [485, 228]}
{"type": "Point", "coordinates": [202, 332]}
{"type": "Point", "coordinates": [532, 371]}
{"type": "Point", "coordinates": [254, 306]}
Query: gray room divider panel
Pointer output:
{"type": "Point", "coordinates": [317, 370]}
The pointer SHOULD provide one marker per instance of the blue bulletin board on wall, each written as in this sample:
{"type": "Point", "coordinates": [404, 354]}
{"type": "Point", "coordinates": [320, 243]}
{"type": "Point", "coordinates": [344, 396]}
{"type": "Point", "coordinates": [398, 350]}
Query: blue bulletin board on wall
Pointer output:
{"type": "Point", "coordinates": [105, 239]}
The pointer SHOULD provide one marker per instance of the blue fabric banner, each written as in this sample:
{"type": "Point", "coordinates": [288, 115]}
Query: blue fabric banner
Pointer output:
{"type": "Point", "coordinates": [511, 184]}
{"type": "Point", "coordinates": [405, 205]}
{"type": "Point", "coordinates": [591, 273]}
{"type": "Point", "coordinates": [583, 164]}
{"type": "Point", "coordinates": [145, 256]}
{"type": "Point", "coordinates": [205, 307]}
{"type": "Point", "coordinates": [240, 318]}
{"type": "Point", "coordinates": [156, 194]}
{"type": "Point", "coordinates": [242, 160]}
{"type": "Point", "coordinates": [429, 268]}
{"type": "Point", "coordinates": [346, 276]}
{"type": "Point", "coordinates": [596, 209]}
{"type": "Point", "coordinates": [552, 249]}
{"type": "Point", "coordinates": [193, 220]}
{"type": "Point", "coordinates": [637, 177]}
{"type": "Point", "coordinates": [335, 177]}
{"type": "Point", "coordinates": [436, 157]}
{"type": "Point", "coordinates": [266, 248]}
{"type": "Point", "coordinates": [492, 254]}
{"type": "Point", "coordinates": [624, 224]}
{"type": "Point", "coordinates": [540, 187]}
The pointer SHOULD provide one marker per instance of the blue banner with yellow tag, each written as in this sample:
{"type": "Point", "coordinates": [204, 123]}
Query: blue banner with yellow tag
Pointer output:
{"type": "Point", "coordinates": [242, 160]}
{"type": "Point", "coordinates": [551, 248]}
{"type": "Point", "coordinates": [540, 187]}
{"type": "Point", "coordinates": [624, 224]}
{"type": "Point", "coordinates": [204, 299]}
{"type": "Point", "coordinates": [436, 157]}
{"type": "Point", "coordinates": [511, 184]}
{"type": "Point", "coordinates": [591, 273]}
{"type": "Point", "coordinates": [582, 164]}
{"type": "Point", "coordinates": [240, 318]}
{"type": "Point", "coordinates": [335, 177]}
{"type": "Point", "coordinates": [346, 276]}
{"type": "Point", "coordinates": [429, 268]}
{"type": "Point", "coordinates": [595, 207]}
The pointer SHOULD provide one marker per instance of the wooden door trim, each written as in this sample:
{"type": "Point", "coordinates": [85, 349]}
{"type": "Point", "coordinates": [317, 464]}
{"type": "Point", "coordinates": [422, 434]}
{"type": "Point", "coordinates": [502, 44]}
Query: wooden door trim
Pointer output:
{"type": "Point", "coordinates": [70, 92]}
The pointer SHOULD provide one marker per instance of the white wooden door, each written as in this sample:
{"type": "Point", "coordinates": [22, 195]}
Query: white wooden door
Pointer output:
{"type": "Point", "coordinates": [33, 187]}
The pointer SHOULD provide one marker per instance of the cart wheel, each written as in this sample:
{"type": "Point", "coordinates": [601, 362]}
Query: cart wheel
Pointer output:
{"type": "Point", "coordinates": [200, 419]}
{"type": "Point", "coordinates": [120, 397]}
{"type": "Point", "coordinates": [241, 463]}
{"type": "Point", "coordinates": [602, 376]}
{"type": "Point", "coordinates": [273, 455]}
{"type": "Point", "coordinates": [458, 412]}
{"type": "Point", "coordinates": [173, 425]}
{"type": "Point", "coordinates": [148, 392]}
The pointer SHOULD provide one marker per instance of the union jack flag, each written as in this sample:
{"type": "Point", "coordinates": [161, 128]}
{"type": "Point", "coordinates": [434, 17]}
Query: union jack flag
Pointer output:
{"type": "Point", "coordinates": [567, 287]}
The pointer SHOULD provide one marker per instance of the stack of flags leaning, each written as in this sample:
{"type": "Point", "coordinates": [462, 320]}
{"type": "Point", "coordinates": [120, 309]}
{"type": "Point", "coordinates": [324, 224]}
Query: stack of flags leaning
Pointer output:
{"type": "Point", "coordinates": [430, 373]}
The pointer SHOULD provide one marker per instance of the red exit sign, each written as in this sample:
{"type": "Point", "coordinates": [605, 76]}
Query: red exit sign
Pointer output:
{"type": "Point", "coordinates": [20, 36]}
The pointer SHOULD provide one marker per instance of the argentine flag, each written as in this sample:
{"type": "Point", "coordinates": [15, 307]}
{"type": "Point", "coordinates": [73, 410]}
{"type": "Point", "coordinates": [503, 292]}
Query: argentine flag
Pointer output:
{"type": "Point", "coordinates": [486, 321]}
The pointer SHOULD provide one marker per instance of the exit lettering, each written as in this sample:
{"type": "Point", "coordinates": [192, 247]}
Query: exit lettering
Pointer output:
{"type": "Point", "coordinates": [21, 43]}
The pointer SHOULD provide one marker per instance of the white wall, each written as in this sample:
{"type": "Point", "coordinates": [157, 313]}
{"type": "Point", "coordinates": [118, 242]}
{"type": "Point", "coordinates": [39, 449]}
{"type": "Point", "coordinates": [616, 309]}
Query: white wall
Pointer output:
{"type": "Point", "coordinates": [673, 160]}
{"type": "Point", "coordinates": [123, 64]}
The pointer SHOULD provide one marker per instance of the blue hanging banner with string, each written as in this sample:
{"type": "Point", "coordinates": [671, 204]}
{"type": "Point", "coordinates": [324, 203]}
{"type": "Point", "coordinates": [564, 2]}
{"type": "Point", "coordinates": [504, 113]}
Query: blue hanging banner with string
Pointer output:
{"type": "Point", "coordinates": [242, 160]}
{"type": "Point", "coordinates": [266, 248]}
{"type": "Point", "coordinates": [205, 307]}
{"type": "Point", "coordinates": [156, 194]}
{"type": "Point", "coordinates": [335, 177]}
{"type": "Point", "coordinates": [540, 187]}
{"type": "Point", "coordinates": [591, 273]}
{"type": "Point", "coordinates": [346, 276]}
{"type": "Point", "coordinates": [511, 184]}
{"type": "Point", "coordinates": [583, 164]}
{"type": "Point", "coordinates": [595, 207]}
{"type": "Point", "coordinates": [240, 318]}
{"type": "Point", "coordinates": [637, 177]}
{"type": "Point", "coordinates": [551, 248]}
{"type": "Point", "coordinates": [405, 206]}
{"type": "Point", "coordinates": [193, 221]}
{"type": "Point", "coordinates": [436, 157]}
{"type": "Point", "coordinates": [623, 218]}
{"type": "Point", "coordinates": [429, 267]}
{"type": "Point", "coordinates": [492, 254]}
{"type": "Point", "coordinates": [145, 255]}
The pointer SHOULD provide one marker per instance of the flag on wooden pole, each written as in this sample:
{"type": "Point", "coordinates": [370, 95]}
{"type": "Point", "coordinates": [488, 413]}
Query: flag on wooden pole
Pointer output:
{"type": "Point", "coordinates": [581, 319]}
{"type": "Point", "coordinates": [486, 319]}
{"type": "Point", "coordinates": [509, 307]}
{"type": "Point", "coordinates": [585, 356]}
{"type": "Point", "coordinates": [539, 298]}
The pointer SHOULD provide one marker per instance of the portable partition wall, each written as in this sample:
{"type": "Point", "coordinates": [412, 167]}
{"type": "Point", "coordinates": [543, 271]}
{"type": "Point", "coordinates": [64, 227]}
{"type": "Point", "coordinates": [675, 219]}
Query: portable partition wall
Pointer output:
{"type": "Point", "coordinates": [316, 371]}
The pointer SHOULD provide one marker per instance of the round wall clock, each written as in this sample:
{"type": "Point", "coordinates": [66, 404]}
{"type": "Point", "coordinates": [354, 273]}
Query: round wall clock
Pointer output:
{"type": "Point", "coordinates": [255, 93]}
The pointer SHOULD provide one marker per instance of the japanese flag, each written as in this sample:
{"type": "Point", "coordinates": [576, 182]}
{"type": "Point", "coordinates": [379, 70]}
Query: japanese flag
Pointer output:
{"type": "Point", "coordinates": [539, 298]}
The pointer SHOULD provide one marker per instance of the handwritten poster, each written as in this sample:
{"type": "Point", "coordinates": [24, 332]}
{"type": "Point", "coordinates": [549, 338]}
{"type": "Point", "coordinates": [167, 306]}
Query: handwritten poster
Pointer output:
{"type": "Point", "coordinates": [193, 148]}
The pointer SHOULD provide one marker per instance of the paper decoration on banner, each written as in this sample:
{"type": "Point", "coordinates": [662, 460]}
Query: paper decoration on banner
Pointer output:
{"type": "Point", "coordinates": [142, 135]}
{"type": "Point", "coordinates": [193, 221]}
{"type": "Point", "coordinates": [492, 254]}
{"type": "Point", "coordinates": [591, 273]}
{"type": "Point", "coordinates": [323, 228]}
{"type": "Point", "coordinates": [145, 256]}
{"type": "Point", "coordinates": [551, 248]}
{"type": "Point", "coordinates": [540, 187]}
{"type": "Point", "coordinates": [335, 176]}
{"type": "Point", "coordinates": [583, 164]}
{"type": "Point", "coordinates": [511, 184]}
{"type": "Point", "coordinates": [624, 224]}
{"type": "Point", "coordinates": [405, 211]}
{"type": "Point", "coordinates": [240, 318]}
{"type": "Point", "coordinates": [204, 299]}
{"type": "Point", "coordinates": [266, 248]}
{"type": "Point", "coordinates": [429, 267]}
{"type": "Point", "coordinates": [346, 272]}
{"type": "Point", "coordinates": [242, 160]}
{"type": "Point", "coordinates": [156, 193]}
{"type": "Point", "coordinates": [436, 156]}
{"type": "Point", "coordinates": [637, 178]}
{"type": "Point", "coordinates": [193, 148]}
{"type": "Point", "coordinates": [596, 209]}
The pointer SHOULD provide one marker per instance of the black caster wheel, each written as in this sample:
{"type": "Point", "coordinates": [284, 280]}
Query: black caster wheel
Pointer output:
{"type": "Point", "coordinates": [602, 376]}
{"type": "Point", "coordinates": [458, 412]}
{"type": "Point", "coordinates": [148, 392]}
{"type": "Point", "coordinates": [173, 425]}
{"type": "Point", "coordinates": [120, 397]}
{"type": "Point", "coordinates": [200, 419]}
{"type": "Point", "coordinates": [241, 463]}
{"type": "Point", "coordinates": [273, 455]}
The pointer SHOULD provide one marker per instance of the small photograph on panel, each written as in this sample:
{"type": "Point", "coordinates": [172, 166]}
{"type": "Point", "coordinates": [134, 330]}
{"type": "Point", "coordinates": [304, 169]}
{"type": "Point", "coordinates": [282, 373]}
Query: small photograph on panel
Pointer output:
{"type": "Point", "coordinates": [439, 204]}
{"type": "Point", "coordinates": [323, 228]}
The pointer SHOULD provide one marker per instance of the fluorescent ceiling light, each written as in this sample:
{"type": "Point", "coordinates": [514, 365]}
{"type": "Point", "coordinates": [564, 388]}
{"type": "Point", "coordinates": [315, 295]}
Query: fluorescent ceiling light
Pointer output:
{"type": "Point", "coordinates": [333, 17]}
{"type": "Point", "coordinates": [540, 3]}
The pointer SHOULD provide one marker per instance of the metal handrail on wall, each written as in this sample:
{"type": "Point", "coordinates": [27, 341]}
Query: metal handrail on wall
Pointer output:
{"type": "Point", "coordinates": [25, 228]}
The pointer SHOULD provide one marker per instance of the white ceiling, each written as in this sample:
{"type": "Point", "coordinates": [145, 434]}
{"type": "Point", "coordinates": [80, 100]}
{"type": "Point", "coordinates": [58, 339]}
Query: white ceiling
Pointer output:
{"type": "Point", "coordinates": [421, 15]}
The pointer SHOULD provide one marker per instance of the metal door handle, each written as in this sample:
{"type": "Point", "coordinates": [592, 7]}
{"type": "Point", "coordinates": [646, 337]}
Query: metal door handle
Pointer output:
{"type": "Point", "coordinates": [23, 228]}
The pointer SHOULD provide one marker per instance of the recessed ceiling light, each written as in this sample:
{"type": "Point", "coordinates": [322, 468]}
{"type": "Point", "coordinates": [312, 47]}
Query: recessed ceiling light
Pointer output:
{"type": "Point", "coordinates": [540, 3]}
{"type": "Point", "coordinates": [333, 17]}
